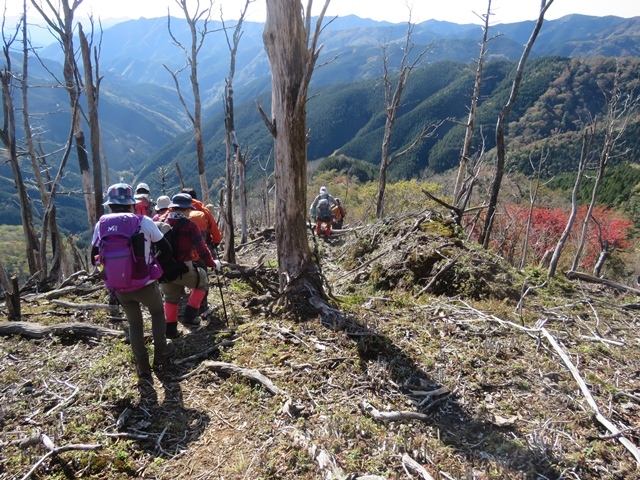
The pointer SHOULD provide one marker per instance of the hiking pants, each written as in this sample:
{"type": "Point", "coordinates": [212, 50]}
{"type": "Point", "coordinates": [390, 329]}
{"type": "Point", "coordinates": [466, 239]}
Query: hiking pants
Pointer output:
{"type": "Point", "coordinates": [195, 279]}
{"type": "Point", "coordinates": [327, 223]}
{"type": "Point", "coordinates": [150, 297]}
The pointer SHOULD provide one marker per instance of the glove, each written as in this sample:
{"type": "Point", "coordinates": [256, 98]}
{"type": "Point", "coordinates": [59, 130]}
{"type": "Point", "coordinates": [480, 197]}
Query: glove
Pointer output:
{"type": "Point", "coordinates": [217, 264]}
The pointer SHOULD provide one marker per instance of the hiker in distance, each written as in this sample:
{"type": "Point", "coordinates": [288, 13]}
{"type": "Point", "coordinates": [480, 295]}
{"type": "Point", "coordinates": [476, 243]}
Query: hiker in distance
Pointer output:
{"type": "Point", "coordinates": [321, 211]}
{"type": "Point", "coordinates": [144, 205]}
{"type": "Point", "coordinates": [338, 213]}
{"type": "Point", "coordinates": [185, 237]}
{"type": "Point", "coordinates": [121, 247]}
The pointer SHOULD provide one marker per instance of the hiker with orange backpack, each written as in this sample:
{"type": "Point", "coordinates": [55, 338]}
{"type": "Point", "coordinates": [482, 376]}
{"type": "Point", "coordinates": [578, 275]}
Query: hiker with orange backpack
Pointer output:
{"type": "Point", "coordinates": [121, 247]}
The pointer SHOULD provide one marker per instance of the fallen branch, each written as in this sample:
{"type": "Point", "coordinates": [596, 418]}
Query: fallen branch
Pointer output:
{"type": "Point", "coordinates": [57, 451]}
{"type": "Point", "coordinates": [206, 353]}
{"type": "Point", "coordinates": [411, 464]}
{"type": "Point", "coordinates": [445, 268]}
{"type": "Point", "coordinates": [610, 283]}
{"type": "Point", "coordinates": [400, 416]}
{"type": "Point", "coordinates": [250, 373]}
{"type": "Point", "coordinates": [592, 403]}
{"type": "Point", "coordinates": [576, 375]}
{"type": "Point", "coordinates": [85, 306]}
{"type": "Point", "coordinates": [35, 330]}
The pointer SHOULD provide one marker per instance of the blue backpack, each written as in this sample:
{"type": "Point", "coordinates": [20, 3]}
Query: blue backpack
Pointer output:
{"type": "Point", "coordinates": [122, 253]}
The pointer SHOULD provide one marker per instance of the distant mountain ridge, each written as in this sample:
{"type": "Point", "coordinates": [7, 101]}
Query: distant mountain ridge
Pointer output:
{"type": "Point", "coordinates": [145, 127]}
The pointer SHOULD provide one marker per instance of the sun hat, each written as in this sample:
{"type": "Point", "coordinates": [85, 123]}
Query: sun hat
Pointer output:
{"type": "Point", "coordinates": [143, 187]}
{"type": "Point", "coordinates": [181, 200]}
{"type": "Point", "coordinates": [162, 203]}
{"type": "Point", "coordinates": [120, 194]}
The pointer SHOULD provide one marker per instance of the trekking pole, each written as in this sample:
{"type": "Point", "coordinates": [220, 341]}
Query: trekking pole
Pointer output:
{"type": "Point", "coordinates": [224, 307]}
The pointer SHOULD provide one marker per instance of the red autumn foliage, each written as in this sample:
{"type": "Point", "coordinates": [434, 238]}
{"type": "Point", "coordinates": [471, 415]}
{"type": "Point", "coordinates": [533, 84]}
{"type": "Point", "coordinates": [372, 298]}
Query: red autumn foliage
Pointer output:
{"type": "Point", "coordinates": [547, 225]}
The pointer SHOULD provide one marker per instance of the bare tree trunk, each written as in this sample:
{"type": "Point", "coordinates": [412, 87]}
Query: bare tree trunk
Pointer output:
{"type": "Point", "coordinates": [458, 191]}
{"type": "Point", "coordinates": [57, 245]}
{"type": "Point", "coordinates": [92, 92]}
{"type": "Point", "coordinates": [62, 25]}
{"type": "Point", "coordinates": [620, 108]}
{"type": "Point", "coordinates": [286, 40]}
{"type": "Point", "coordinates": [391, 105]}
{"type": "Point", "coordinates": [587, 142]}
{"type": "Point", "coordinates": [8, 138]}
{"type": "Point", "coordinates": [502, 123]}
{"type": "Point", "coordinates": [533, 196]}
{"type": "Point", "coordinates": [227, 213]}
{"type": "Point", "coordinates": [231, 143]}
{"type": "Point", "coordinates": [197, 40]}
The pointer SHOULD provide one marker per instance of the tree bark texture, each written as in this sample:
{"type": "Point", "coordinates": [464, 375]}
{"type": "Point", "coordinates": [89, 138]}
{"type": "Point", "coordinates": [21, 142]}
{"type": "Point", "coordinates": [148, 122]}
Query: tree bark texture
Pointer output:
{"type": "Point", "coordinates": [285, 41]}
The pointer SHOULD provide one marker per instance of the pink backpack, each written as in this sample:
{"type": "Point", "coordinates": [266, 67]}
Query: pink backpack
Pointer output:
{"type": "Point", "coordinates": [122, 253]}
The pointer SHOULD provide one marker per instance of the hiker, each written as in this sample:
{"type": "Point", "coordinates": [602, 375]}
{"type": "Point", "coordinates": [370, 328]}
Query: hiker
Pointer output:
{"type": "Point", "coordinates": [338, 213]}
{"type": "Point", "coordinates": [202, 216]}
{"type": "Point", "coordinates": [205, 220]}
{"type": "Point", "coordinates": [144, 205]}
{"type": "Point", "coordinates": [321, 211]}
{"type": "Point", "coordinates": [162, 206]}
{"type": "Point", "coordinates": [186, 237]}
{"type": "Point", "coordinates": [121, 248]}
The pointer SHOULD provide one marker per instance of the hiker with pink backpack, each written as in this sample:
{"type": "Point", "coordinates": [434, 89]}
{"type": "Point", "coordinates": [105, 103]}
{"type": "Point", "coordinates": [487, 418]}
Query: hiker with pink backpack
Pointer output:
{"type": "Point", "coordinates": [121, 248]}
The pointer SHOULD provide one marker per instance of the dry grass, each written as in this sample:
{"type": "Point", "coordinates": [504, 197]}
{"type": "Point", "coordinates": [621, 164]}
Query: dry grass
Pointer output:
{"type": "Point", "coordinates": [513, 410]}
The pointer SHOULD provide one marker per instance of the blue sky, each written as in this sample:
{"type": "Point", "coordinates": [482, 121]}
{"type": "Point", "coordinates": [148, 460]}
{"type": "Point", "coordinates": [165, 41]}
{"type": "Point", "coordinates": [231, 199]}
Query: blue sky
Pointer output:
{"type": "Point", "coordinates": [458, 11]}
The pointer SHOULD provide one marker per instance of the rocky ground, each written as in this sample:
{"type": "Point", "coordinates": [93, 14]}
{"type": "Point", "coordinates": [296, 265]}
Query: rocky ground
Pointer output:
{"type": "Point", "coordinates": [445, 364]}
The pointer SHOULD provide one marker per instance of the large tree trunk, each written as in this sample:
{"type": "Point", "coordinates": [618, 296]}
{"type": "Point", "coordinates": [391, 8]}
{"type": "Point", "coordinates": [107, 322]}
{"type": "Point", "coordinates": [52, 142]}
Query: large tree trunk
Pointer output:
{"type": "Point", "coordinates": [285, 40]}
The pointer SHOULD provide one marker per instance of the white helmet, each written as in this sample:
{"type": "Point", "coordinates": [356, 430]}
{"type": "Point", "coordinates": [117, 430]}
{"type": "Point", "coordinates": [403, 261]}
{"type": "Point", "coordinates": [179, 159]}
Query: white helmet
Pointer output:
{"type": "Point", "coordinates": [323, 190]}
{"type": "Point", "coordinates": [144, 187]}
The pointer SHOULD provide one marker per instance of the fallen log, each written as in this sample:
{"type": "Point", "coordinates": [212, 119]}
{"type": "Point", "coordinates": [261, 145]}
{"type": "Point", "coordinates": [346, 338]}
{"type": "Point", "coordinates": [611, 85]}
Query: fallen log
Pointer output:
{"type": "Point", "coordinates": [75, 329]}
{"type": "Point", "coordinates": [250, 373]}
{"type": "Point", "coordinates": [572, 274]}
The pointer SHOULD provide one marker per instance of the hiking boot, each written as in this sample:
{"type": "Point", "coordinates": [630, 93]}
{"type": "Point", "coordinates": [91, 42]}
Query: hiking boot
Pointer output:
{"type": "Point", "coordinates": [169, 351]}
{"type": "Point", "coordinates": [190, 316]}
{"type": "Point", "coordinates": [145, 380]}
{"type": "Point", "coordinates": [172, 330]}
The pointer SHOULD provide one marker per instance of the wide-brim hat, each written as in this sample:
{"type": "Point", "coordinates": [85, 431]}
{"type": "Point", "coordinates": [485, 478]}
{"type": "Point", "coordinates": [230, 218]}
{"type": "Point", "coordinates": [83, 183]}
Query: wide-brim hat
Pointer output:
{"type": "Point", "coordinates": [163, 202]}
{"type": "Point", "coordinates": [181, 200]}
{"type": "Point", "coordinates": [120, 194]}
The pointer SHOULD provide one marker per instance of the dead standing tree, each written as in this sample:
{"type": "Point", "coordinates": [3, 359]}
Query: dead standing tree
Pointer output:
{"type": "Point", "coordinates": [8, 138]}
{"type": "Point", "coordinates": [464, 184]}
{"type": "Point", "coordinates": [502, 123]}
{"type": "Point", "coordinates": [233, 147]}
{"type": "Point", "coordinates": [92, 93]}
{"type": "Point", "coordinates": [292, 49]}
{"type": "Point", "coordinates": [621, 107]}
{"type": "Point", "coordinates": [61, 24]}
{"type": "Point", "coordinates": [197, 37]}
{"type": "Point", "coordinates": [59, 266]}
{"type": "Point", "coordinates": [585, 152]}
{"type": "Point", "coordinates": [392, 98]}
